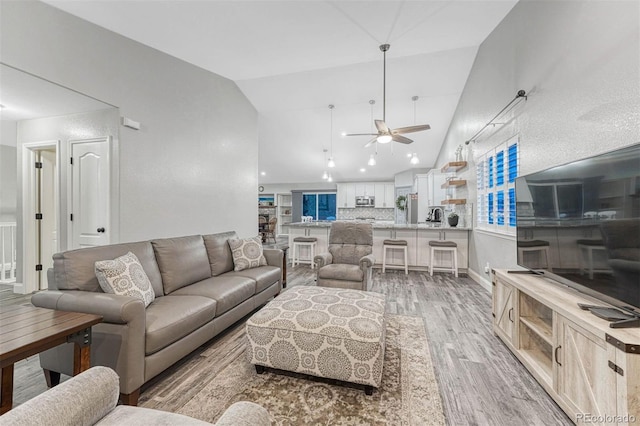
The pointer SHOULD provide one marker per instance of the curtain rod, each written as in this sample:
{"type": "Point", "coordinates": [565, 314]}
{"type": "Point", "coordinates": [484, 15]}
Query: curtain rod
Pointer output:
{"type": "Point", "coordinates": [521, 94]}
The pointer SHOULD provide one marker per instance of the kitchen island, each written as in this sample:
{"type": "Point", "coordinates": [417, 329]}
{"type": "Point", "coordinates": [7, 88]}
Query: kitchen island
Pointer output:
{"type": "Point", "coordinates": [416, 235]}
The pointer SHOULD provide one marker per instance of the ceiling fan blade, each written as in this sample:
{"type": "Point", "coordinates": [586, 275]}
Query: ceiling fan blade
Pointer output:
{"type": "Point", "coordinates": [401, 139]}
{"type": "Point", "coordinates": [371, 142]}
{"type": "Point", "coordinates": [410, 129]}
{"type": "Point", "coordinates": [381, 126]}
{"type": "Point", "coordinates": [361, 134]}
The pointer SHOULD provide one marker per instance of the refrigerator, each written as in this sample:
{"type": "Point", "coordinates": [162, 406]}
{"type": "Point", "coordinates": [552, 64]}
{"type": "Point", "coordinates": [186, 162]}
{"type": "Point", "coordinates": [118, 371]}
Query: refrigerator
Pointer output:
{"type": "Point", "coordinates": [412, 208]}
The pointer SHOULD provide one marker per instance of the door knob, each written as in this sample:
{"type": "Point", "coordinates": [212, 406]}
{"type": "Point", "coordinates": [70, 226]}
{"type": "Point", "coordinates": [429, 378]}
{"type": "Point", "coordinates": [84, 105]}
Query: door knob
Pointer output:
{"type": "Point", "coordinates": [100, 229]}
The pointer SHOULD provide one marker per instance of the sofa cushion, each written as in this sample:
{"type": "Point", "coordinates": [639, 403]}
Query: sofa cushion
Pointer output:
{"type": "Point", "coordinates": [247, 253]}
{"type": "Point", "coordinates": [182, 261]}
{"type": "Point", "coordinates": [219, 252]}
{"type": "Point", "coordinates": [227, 291]}
{"type": "Point", "coordinates": [341, 271]}
{"type": "Point", "coordinates": [170, 318]}
{"type": "Point", "coordinates": [74, 269]}
{"type": "Point", "coordinates": [124, 276]}
{"type": "Point", "coordinates": [264, 276]}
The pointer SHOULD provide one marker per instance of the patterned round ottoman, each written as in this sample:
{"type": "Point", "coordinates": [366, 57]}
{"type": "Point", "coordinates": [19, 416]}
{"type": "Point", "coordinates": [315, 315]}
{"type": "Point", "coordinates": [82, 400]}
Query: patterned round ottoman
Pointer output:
{"type": "Point", "coordinates": [325, 332]}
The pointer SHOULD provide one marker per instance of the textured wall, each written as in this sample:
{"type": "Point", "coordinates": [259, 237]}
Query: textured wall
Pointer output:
{"type": "Point", "coordinates": [580, 63]}
{"type": "Point", "coordinates": [192, 168]}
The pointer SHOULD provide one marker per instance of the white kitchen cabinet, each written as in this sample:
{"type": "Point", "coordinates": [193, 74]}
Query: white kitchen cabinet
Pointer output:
{"type": "Point", "coordinates": [385, 195]}
{"type": "Point", "coordinates": [319, 232]}
{"type": "Point", "coordinates": [346, 195]}
{"type": "Point", "coordinates": [394, 256]}
{"type": "Point", "coordinates": [365, 189]}
{"type": "Point", "coordinates": [460, 237]}
{"type": "Point", "coordinates": [420, 185]}
{"type": "Point", "coordinates": [436, 194]}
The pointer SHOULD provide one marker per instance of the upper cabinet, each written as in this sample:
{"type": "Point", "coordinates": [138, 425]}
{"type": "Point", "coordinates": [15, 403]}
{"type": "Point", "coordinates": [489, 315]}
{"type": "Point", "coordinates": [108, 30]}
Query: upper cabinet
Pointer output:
{"type": "Point", "coordinates": [384, 193]}
{"type": "Point", "coordinates": [346, 195]}
{"type": "Point", "coordinates": [385, 196]}
{"type": "Point", "coordinates": [365, 189]}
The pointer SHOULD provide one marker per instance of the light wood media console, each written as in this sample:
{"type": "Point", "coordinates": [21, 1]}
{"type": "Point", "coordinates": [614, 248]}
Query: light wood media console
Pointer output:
{"type": "Point", "coordinates": [591, 370]}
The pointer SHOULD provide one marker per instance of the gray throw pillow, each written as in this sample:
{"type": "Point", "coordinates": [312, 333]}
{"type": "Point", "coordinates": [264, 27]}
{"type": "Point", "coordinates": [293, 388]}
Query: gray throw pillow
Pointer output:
{"type": "Point", "coordinates": [124, 276]}
{"type": "Point", "coordinates": [247, 253]}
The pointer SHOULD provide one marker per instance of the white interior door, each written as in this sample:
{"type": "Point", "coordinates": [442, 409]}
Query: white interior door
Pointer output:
{"type": "Point", "coordinates": [90, 192]}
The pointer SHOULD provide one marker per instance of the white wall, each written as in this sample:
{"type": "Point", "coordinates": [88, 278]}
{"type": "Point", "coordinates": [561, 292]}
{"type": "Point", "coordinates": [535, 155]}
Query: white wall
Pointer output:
{"type": "Point", "coordinates": [8, 171]}
{"type": "Point", "coordinates": [192, 168]}
{"type": "Point", "coordinates": [579, 61]}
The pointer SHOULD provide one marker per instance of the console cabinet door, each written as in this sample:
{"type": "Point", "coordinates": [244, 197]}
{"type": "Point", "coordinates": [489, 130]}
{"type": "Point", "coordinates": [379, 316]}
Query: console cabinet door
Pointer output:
{"type": "Point", "coordinates": [585, 382]}
{"type": "Point", "coordinates": [504, 315]}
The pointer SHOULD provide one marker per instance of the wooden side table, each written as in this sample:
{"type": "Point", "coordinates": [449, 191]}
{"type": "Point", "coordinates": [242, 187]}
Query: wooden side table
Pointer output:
{"type": "Point", "coordinates": [27, 330]}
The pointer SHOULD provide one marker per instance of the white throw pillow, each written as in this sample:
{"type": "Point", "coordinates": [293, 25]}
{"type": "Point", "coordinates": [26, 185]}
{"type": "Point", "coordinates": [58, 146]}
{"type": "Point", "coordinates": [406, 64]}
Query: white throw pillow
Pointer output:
{"type": "Point", "coordinates": [247, 253]}
{"type": "Point", "coordinates": [124, 276]}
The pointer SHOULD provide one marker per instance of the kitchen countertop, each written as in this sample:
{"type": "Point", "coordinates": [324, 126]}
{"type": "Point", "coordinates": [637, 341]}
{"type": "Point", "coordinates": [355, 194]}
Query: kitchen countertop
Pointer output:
{"type": "Point", "coordinates": [379, 225]}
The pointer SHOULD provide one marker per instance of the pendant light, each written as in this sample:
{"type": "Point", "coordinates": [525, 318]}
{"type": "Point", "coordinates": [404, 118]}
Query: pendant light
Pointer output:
{"type": "Point", "coordinates": [414, 158]}
{"type": "Point", "coordinates": [325, 175]}
{"type": "Point", "coordinates": [372, 158]}
{"type": "Point", "coordinates": [331, 163]}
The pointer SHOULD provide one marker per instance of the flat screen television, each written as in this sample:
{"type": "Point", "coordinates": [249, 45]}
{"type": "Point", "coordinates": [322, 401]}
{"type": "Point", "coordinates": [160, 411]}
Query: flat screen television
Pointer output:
{"type": "Point", "coordinates": [579, 224]}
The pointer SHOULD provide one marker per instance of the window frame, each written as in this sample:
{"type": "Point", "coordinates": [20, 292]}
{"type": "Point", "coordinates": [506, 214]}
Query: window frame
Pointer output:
{"type": "Point", "coordinates": [496, 172]}
{"type": "Point", "coordinates": [317, 204]}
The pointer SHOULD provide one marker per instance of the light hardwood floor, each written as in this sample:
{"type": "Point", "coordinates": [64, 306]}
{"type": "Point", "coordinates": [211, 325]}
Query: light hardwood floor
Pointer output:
{"type": "Point", "coordinates": [481, 382]}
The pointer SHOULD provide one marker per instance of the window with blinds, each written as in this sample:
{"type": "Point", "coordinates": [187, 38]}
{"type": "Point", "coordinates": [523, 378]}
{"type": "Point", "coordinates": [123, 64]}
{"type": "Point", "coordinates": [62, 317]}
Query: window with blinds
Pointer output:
{"type": "Point", "coordinates": [496, 173]}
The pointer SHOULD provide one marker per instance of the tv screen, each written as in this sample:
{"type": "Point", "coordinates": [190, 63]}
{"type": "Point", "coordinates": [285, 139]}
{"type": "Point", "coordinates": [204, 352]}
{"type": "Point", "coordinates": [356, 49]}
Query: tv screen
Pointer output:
{"type": "Point", "coordinates": [579, 223]}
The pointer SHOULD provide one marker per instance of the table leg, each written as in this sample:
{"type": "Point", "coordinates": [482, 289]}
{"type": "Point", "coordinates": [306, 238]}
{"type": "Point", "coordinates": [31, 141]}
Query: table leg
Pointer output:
{"type": "Point", "coordinates": [81, 358]}
{"type": "Point", "coordinates": [81, 350]}
{"type": "Point", "coordinates": [7, 389]}
{"type": "Point", "coordinates": [284, 269]}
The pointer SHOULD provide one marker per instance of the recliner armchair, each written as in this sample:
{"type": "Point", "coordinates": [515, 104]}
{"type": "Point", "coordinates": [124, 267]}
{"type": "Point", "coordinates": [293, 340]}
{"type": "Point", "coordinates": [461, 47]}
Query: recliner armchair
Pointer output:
{"type": "Point", "coordinates": [349, 261]}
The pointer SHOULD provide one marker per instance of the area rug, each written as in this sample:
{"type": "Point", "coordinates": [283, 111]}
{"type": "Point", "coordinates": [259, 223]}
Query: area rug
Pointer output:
{"type": "Point", "coordinates": [211, 379]}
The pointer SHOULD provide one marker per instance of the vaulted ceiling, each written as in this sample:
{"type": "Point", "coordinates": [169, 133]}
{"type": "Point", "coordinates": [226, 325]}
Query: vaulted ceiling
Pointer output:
{"type": "Point", "coordinates": [293, 58]}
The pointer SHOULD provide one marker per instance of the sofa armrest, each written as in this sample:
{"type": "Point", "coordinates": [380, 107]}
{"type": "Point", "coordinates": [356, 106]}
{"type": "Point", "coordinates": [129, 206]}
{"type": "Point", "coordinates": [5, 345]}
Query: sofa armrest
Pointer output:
{"type": "Point", "coordinates": [367, 262]}
{"type": "Point", "coordinates": [113, 308]}
{"type": "Point", "coordinates": [274, 257]}
{"type": "Point", "coordinates": [323, 259]}
{"type": "Point", "coordinates": [81, 400]}
{"type": "Point", "coordinates": [245, 413]}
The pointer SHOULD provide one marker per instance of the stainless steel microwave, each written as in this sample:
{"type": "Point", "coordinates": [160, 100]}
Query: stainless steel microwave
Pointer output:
{"type": "Point", "coordinates": [365, 201]}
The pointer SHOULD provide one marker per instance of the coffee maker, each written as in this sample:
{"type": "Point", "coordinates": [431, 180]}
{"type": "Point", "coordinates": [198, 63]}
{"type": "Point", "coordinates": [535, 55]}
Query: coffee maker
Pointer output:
{"type": "Point", "coordinates": [434, 214]}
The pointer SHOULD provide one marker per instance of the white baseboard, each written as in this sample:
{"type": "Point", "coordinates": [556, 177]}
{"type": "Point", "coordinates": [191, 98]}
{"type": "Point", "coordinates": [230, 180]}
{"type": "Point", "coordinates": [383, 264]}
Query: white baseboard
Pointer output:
{"type": "Point", "coordinates": [19, 288]}
{"type": "Point", "coordinates": [485, 283]}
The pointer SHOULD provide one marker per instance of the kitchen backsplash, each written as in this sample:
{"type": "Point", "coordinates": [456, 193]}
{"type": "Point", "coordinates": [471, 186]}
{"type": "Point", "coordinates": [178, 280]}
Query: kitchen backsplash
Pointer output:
{"type": "Point", "coordinates": [366, 213]}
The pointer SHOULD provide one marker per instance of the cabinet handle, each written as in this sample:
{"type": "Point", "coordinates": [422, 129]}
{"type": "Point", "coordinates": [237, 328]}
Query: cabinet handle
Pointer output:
{"type": "Point", "coordinates": [510, 312]}
{"type": "Point", "coordinates": [555, 355]}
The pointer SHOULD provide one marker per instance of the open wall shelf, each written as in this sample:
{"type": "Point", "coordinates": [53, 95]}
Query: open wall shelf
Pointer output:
{"type": "Point", "coordinates": [453, 166]}
{"type": "Point", "coordinates": [454, 183]}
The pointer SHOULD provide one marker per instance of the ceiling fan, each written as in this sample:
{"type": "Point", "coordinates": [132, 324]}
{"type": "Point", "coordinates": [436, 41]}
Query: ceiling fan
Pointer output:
{"type": "Point", "coordinates": [385, 134]}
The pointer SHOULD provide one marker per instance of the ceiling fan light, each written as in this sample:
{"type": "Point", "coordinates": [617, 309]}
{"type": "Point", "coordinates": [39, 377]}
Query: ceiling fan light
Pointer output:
{"type": "Point", "coordinates": [372, 160]}
{"type": "Point", "coordinates": [384, 138]}
{"type": "Point", "coordinates": [325, 175]}
{"type": "Point", "coordinates": [414, 159]}
{"type": "Point", "coordinates": [331, 163]}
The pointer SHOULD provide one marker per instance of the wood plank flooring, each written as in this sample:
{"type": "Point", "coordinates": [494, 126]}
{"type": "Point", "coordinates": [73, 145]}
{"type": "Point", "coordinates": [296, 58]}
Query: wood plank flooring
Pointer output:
{"type": "Point", "coordinates": [481, 382]}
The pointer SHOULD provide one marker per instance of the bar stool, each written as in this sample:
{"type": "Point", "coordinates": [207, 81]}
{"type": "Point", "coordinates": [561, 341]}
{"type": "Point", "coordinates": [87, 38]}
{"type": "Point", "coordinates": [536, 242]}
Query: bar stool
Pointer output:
{"type": "Point", "coordinates": [444, 246]}
{"type": "Point", "coordinates": [586, 248]}
{"type": "Point", "coordinates": [298, 243]}
{"type": "Point", "coordinates": [395, 245]}
{"type": "Point", "coordinates": [540, 246]}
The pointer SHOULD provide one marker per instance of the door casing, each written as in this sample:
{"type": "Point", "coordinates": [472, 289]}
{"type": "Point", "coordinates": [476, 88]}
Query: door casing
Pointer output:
{"type": "Point", "coordinates": [29, 255]}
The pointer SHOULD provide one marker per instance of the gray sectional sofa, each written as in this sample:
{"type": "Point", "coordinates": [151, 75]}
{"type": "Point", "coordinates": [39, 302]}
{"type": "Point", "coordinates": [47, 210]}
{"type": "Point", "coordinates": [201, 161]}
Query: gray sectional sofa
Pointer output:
{"type": "Point", "coordinates": [197, 296]}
